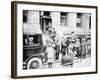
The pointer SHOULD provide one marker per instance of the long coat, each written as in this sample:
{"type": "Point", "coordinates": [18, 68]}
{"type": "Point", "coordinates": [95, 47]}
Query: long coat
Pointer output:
{"type": "Point", "coordinates": [83, 49]}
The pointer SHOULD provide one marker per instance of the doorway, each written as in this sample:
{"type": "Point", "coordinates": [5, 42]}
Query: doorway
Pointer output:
{"type": "Point", "coordinates": [45, 21]}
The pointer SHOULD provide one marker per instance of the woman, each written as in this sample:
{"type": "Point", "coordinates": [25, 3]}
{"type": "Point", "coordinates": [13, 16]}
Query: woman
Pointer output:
{"type": "Point", "coordinates": [50, 51]}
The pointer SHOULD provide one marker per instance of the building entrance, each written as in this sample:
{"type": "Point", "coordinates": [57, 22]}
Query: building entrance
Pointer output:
{"type": "Point", "coordinates": [45, 22]}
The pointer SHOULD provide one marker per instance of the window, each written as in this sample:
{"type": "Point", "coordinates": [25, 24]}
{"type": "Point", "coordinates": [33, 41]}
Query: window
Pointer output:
{"type": "Point", "coordinates": [34, 40]}
{"type": "Point", "coordinates": [79, 20]}
{"type": "Point", "coordinates": [90, 21]}
{"type": "Point", "coordinates": [78, 24]}
{"type": "Point", "coordinates": [46, 13]}
{"type": "Point", "coordinates": [63, 19]}
{"type": "Point", "coordinates": [25, 40]}
{"type": "Point", "coordinates": [79, 15]}
{"type": "Point", "coordinates": [25, 15]}
{"type": "Point", "coordinates": [31, 40]}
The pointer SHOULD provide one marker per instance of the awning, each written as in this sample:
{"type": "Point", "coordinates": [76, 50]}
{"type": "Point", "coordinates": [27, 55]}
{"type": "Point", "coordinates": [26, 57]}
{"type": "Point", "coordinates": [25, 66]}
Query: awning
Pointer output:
{"type": "Point", "coordinates": [31, 29]}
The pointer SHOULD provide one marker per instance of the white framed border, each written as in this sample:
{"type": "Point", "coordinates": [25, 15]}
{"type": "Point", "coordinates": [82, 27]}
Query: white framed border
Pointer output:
{"type": "Point", "coordinates": [21, 72]}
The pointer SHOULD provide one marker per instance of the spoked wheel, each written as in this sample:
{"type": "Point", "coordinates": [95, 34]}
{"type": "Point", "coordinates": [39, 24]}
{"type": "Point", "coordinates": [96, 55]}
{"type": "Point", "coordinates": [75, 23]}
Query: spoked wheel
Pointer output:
{"type": "Point", "coordinates": [34, 63]}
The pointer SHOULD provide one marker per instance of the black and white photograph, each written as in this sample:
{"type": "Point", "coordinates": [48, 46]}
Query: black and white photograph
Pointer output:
{"type": "Point", "coordinates": [54, 39]}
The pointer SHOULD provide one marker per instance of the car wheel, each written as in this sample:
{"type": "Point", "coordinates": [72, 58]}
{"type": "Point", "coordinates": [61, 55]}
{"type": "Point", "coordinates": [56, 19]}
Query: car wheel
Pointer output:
{"type": "Point", "coordinates": [34, 63]}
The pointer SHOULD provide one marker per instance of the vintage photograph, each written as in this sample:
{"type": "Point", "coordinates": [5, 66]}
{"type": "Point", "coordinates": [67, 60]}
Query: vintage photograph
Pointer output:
{"type": "Point", "coordinates": [53, 39]}
{"type": "Point", "coordinates": [56, 39]}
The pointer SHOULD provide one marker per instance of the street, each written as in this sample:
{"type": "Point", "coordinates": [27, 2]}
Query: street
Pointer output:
{"type": "Point", "coordinates": [76, 63]}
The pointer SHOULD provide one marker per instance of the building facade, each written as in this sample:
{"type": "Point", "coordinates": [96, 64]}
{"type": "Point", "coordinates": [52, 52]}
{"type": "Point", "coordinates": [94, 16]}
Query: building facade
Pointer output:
{"type": "Point", "coordinates": [63, 22]}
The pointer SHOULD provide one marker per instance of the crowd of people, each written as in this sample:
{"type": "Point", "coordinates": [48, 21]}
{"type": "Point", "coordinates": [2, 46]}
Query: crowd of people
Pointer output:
{"type": "Point", "coordinates": [71, 46]}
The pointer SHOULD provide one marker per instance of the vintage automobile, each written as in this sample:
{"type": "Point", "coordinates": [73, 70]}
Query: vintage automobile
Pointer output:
{"type": "Point", "coordinates": [33, 51]}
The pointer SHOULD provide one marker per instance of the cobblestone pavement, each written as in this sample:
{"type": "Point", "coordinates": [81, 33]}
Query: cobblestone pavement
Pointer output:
{"type": "Point", "coordinates": [77, 63]}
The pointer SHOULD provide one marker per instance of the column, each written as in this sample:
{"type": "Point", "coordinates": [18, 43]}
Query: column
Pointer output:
{"type": "Point", "coordinates": [33, 24]}
{"type": "Point", "coordinates": [33, 17]}
{"type": "Point", "coordinates": [55, 19]}
{"type": "Point", "coordinates": [85, 21]}
{"type": "Point", "coordinates": [71, 18]}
